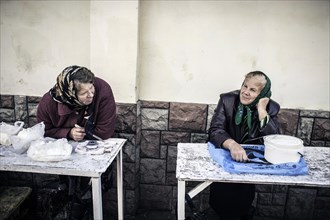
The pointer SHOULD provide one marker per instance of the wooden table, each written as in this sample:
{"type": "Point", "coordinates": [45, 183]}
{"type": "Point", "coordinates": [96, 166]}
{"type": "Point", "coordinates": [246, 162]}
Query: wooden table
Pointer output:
{"type": "Point", "coordinates": [77, 165]}
{"type": "Point", "coordinates": [195, 164]}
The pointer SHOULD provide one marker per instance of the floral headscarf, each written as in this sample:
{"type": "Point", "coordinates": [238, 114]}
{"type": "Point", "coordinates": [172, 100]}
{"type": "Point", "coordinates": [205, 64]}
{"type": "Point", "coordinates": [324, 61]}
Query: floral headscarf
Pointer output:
{"type": "Point", "coordinates": [64, 90]}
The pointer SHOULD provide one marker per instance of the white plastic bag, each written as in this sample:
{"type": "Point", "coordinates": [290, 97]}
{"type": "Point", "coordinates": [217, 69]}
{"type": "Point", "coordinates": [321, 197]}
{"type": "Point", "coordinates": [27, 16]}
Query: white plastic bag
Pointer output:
{"type": "Point", "coordinates": [7, 130]}
{"type": "Point", "coordinates": [43, 150]}
{"type": "Point", "coordinates": [23, 139]}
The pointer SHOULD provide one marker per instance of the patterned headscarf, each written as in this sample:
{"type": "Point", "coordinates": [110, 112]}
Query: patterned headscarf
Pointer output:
{"type": "Point", "coordinates": [265, 92]}
{"type": "Point", "coordinates": [64, 90]}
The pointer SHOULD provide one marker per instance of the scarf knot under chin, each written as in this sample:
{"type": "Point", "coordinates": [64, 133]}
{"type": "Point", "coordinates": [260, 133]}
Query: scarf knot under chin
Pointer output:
{"type": "Point", "coordinates": [240, 113]}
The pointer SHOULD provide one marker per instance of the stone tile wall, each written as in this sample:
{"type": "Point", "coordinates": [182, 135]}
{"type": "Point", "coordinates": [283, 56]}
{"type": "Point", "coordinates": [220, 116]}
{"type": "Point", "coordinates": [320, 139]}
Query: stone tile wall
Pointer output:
{"type": "Point", "coordinates": [153, 130]}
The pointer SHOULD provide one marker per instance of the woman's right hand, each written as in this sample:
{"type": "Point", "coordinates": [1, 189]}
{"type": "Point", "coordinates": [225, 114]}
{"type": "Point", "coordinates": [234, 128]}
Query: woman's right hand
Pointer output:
{"type": "Point", "coordinates": [237, 152]}
{"type": "Point", "coordinates": [77, 133]}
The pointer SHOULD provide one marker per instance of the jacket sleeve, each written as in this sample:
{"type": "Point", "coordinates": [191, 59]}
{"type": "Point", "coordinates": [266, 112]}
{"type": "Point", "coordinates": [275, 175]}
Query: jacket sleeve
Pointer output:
{"type": "Point", "coordinates": [219, 123]}
{"type": "Point", "coordinates": [106, 114]}
{"type": "Point", "coordinates": [47, 113]}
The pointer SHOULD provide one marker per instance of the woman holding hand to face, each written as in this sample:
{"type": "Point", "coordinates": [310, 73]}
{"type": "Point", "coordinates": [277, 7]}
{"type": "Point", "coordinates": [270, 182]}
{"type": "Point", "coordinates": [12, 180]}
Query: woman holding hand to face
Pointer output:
{"type": "Point", "coordinates": [241, 117]}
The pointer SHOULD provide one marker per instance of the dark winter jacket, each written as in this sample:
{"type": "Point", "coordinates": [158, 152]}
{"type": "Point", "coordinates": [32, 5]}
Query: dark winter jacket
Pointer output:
{"type": "Point", "coordinates": [223, 125]}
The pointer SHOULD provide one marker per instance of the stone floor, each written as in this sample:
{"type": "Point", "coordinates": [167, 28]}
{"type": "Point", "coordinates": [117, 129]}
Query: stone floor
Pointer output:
{"type": "Point", "coordinates": [145, 215]}
{"type": "Point", "coordinates": [166, 215]}
{"type": "Point", "coordinates": [159, 215]}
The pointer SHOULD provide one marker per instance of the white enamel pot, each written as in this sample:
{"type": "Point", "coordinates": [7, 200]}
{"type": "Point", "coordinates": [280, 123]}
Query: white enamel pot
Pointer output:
{"type": "Point", "coordinates": [283, 148]}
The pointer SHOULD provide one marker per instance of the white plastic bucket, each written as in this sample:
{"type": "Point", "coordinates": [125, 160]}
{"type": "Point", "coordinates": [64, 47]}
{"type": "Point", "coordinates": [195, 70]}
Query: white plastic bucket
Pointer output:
{"type": "Point", "coordinates": [283, 149]}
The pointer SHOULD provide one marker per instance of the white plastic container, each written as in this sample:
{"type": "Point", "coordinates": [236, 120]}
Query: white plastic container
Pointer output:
{"type": "Point", "coordinates": [283, 149]}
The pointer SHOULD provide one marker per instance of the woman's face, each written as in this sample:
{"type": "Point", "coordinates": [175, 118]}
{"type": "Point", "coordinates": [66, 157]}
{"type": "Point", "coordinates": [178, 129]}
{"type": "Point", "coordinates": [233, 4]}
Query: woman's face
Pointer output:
{"type": "Point", "coordinates": [85, 93]}
{"type": "Point", "coordinates": [250, 89]}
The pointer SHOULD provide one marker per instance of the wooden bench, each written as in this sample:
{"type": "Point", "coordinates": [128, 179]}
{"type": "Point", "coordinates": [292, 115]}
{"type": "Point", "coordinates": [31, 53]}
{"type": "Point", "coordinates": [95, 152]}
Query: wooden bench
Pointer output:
{"type": "Point", "coordinates": [11, 199]}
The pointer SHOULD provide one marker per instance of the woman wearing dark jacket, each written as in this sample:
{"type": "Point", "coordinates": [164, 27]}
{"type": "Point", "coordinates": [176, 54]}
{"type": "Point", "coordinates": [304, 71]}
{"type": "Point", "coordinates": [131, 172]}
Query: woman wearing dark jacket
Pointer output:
{"type": "Point", "coordinates": [241, 117]}
{"type": "Point", "coordinates": [80, 106]}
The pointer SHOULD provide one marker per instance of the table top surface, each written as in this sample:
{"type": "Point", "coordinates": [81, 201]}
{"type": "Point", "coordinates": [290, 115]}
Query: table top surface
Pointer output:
{"type": "Point", "coordinates": [194, 163]}
{"type": "Point", "coordinates": [77, 164]}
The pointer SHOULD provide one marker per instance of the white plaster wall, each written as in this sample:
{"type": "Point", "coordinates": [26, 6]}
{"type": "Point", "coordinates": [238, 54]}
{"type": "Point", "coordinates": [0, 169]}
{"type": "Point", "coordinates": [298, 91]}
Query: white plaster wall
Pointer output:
{"type": "Point", "coordinates": [40, 38]}
{"type": "Point", "coordinates": [186, 51]}
{"type": "Point", "coordinates": [191, 51]}
{"type": "Point", "coordinates": [114, 40]}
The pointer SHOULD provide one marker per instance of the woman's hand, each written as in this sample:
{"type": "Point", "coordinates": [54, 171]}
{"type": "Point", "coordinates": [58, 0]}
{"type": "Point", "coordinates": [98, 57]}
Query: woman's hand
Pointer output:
{"type": "Point", "coordinates": [77, 133]}
{"type": "Point", "coordinates": [236, 150]}
{"type": "Point", "coordinates": [261, 106]}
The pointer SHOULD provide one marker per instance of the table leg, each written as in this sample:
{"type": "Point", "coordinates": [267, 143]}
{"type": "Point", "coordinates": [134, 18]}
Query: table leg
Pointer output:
{"type": "Point", "coordinates": [97, 198]}
{"type": "Point", "coordinates": [120, 185]}
{"type": "Point", "coordinates": [181, 199]}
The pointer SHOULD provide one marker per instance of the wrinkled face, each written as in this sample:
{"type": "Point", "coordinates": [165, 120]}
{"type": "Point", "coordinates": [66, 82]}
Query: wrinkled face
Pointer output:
{"type": "Point", "coordinates": [86, 93]}
{"type": "Point", "coordinates": [250, 89]}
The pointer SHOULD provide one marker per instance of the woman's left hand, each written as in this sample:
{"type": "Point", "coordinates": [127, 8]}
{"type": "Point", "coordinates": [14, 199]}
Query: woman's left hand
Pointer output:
{"type": "Point", "coordinates": [261, 106]}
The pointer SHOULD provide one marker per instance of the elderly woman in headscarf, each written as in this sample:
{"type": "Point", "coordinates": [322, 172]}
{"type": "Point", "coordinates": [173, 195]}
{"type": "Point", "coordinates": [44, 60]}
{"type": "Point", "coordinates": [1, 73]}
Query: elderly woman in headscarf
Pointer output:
{"type": "Point", "coordinates": [79, 106]}
{"type": "Point", "coordinates": [242, 117]}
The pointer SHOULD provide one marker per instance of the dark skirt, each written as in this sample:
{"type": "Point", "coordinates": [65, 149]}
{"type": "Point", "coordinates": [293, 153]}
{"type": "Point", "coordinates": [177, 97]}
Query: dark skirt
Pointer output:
{"type": "Point", "coordinates": [231, 200]}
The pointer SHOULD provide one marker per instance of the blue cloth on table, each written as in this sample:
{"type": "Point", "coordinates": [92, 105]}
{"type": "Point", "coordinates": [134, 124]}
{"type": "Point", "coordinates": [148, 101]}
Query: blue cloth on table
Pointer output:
{"type": "Point", "coordinates": [257, 164]}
